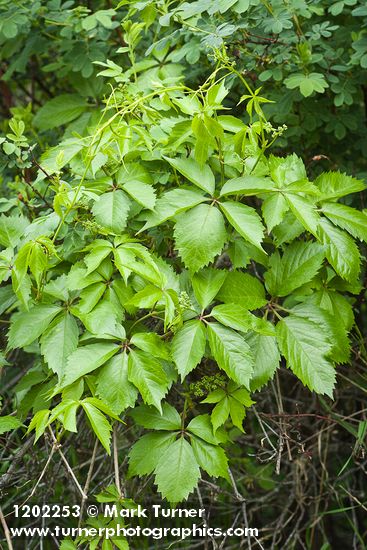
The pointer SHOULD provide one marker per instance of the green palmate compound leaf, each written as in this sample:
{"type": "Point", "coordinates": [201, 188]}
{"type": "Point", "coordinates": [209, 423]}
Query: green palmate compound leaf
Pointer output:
{"type": "Point", "coordinates": [334, 185]}
{"type": "Point", "coordinates": [100, 425]}
{"type": "Point", "coordinates": [231, 352]}
{"type": "Point", "coordinates": [247, 185]}
{"type": "Point", "coordinates": [299, 264]}
{"type": "Point", "coordinates": [210, 458]}
{"type": "Point", "coordinates": [177, 472]}
{"type": "Point", "coordinates": [148, 375]}
{"type": "Point", "coordinates": [86, 359]}
{"type": "Point", "coordinates": [341, 251]}
{"type": "Point", "coordinates": [241, 288]}
{"type": "Point", "coordinates": [28, 326]}
{"type": "Point", "coordinates": [172, 203]}
{"type": "Point", "coordinates": [60, 110]}
{"type": "Point", "coordinates": [232, 402]}
{"type": "Point", "coordinates": [266, 358]}
{"type": "Point", "coordinates": [147, 452]}
{"type": "Point", "coordinates": [9, 423]}
{"type": "Point", "coordinates": [307, 83]}
{"type": "Point", "coordinates": [347, 218]}
{"type": "Point", "coordinates": [111, 210]}
{"type": "Point", "coordinates": [200, 235]}
{"type": "Point", "coordinates": [113, 385]}
{"type": "Point", "coordinates": [59, 341]}
{"type": "Point", "coordinates": [188, 346]}
{"type": "Point", "coordinates": [229, 402]}
{"type": "Point", "coordinates": [202, 176]}
{"type": "Point", "coordinates": [206, 284]}
{"type": "Point", "coordinates": [245, 220]}
{"type": "Point", "coordinates": [150, 418]}
{"type": "Point", "coordinates": [306, 345]}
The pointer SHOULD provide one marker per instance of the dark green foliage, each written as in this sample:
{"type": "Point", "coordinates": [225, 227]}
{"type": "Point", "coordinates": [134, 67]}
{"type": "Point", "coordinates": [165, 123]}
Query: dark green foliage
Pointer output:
{"type": "Point", "coordinates": [160, 264]}
{"type": "Point", "coordinates": [308, 57]}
